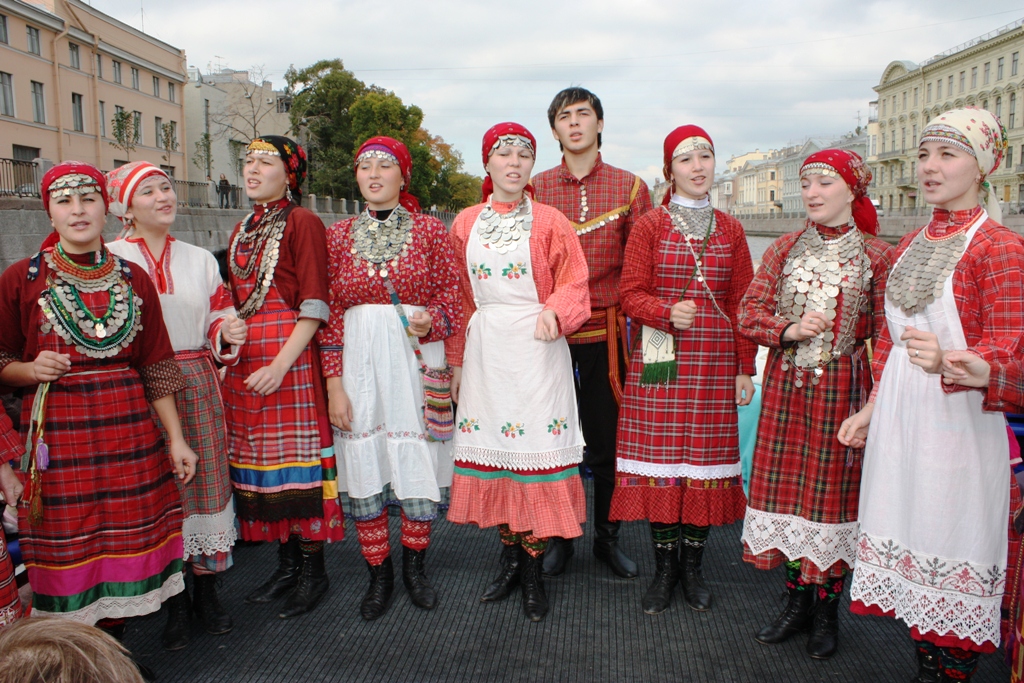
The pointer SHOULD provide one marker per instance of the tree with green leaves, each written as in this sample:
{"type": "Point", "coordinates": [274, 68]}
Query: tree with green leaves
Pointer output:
{"type": "Point", "coordinates": [168, 141]}
{"type": "Point", "coordinates": [122, 128]}
{"type": "Point", "coordinates": [202, 157]}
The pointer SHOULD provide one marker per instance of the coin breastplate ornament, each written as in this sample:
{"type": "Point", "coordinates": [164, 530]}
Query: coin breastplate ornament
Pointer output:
{"type": "Point", "coordinates": [918, 278]}
{"type": "Point", "coordinates": [831, 277]}
{"type": "Point", "coordinates": [261, 245]}
{"type": "Point", "coordinates": [381, 243]}
{"type": "Point", "coordinates": [503, 232]}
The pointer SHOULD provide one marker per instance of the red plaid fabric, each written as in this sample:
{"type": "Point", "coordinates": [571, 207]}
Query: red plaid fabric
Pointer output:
{"type": "Point", "coordinates": [799, 467]}
{"type": "Point", "coordinates": [11, 446]}
{"type": "Point", "coordinates": [10, 604]}
{"type": "Point", "coordinates": [988, 284]}
{"type": "Point", "coordinates": [606, 188]}
{"type": "Point", "coordinates": [674, 430]}
{"type": "Point", "coordinates": [426, 276]}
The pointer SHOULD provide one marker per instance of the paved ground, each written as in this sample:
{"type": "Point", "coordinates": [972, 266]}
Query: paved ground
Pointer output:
{"type": "Point", "coordinates": [595, 632]}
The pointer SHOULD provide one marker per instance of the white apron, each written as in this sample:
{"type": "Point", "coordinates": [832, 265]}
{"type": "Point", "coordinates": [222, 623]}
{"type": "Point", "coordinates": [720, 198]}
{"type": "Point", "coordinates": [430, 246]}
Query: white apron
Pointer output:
{"type": "Point", "coordinates": [517, 404]}
{"type": "Point", "coordinates": [388, 443]}
{"type": "Point", "coordinates": [934, 499]}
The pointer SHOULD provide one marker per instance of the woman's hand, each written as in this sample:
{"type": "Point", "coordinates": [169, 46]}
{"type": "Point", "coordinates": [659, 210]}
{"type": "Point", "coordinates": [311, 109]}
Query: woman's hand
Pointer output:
{"type": "Point", "coordinates": [456, 382]}
{"type": "Point", "coordinates": [266, 380]}
{"type": "Point", "coordinates": [683, 314]}
{"type": "Point", "coordinates": [966, 369]}
{"type": "Point", "coordinates": [10, 485]}
{"type": "Point", "coordinates": [419, 323]}
{"type": "Point", "coordinates": [547, 326]}
{"type": "Point", "coordinates": [184, 460]}
{"type": "Point", "coordinates": [811, 325]}
{"type": "Point", "coordinates": [854, 430]}
{"type": "Point", "coordinates": [924, 350]}
{"type": "Point", "coordinates": [744, 390]}
{"type": "Point", "coordinates": [233, 331]}
{"type": "Point", "coordinates": [339, 407]}
{"type": "Point", "coordinates": [50, 366]}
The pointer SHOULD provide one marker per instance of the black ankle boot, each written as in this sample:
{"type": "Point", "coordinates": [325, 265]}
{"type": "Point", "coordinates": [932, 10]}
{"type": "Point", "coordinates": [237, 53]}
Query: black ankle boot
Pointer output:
{"type": "Point", "coordinates": [285, 577]}
{"type": "Point", "coordinates": [824, 638]}
{"type": "Point", "coordinates": [695, 591]}
{"type": "Point", "coordinates": [176, 631]}
{"type": "Point", "coordinates": [927, 666]}
{"type": "Point", "coordinates": [310, 589]}
{"type": "Point", "coordinates": [535, 600]}
{"type": "Point", "coordinates": [207, 607]}
{"type": "Point", "coordinates": [557, 556]}
{"type": "Point", "coordinates": [508, 579]}
{"type": "Point", "coordinates": [414, 576]}
{"type": "Point", "coordinates": [378, 595]}
{"type": "Point", "coordinates": [666, 574]}
{"type": "Point", "coordinates": [796, 617]}
{"type": "Point", "coordinates": [606, 533]}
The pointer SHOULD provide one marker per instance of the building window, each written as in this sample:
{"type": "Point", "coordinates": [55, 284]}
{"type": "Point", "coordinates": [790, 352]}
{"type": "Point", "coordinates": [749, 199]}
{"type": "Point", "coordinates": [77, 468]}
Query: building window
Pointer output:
{"type": "Point", "coordinates": [77, 112]}
{"type": "Point", "coordinates": [963, 82]}
{"type": "Point", "coordinates": [928, 93]}
{"type": "Point", "coordinates": [904, 100]}
{"type": "Point", "coordinates": [999, 108]}
{"type": "Point", "coordinates": [986, 72]}
{"type": "Point", "coordinates": [938, 89]}
{"type": "Point", "coordinates": [38, 103]}
{"type": "Point", "coordinates": [771, 175]}
{"type": "Point", "coordinates": [23, 153]}
{"type": "Point", "coordinates": [883, 106]}
{"type": "Point", "coordinates": [137, 125]}
{"type": "Point", "coordinates": [103, 119]}
{"type": "Point", "coordinates": [135, 78]}
{"type": "Point", "coordinates": [893, 139]}
{"type": "Point", "coordinates": [903, 139]}
{"type": "Point", "coordinates": [156, 86]}
{"type": "Point", "coordinates": [974, 77]}
{"type": "Point", "coordinates": [999, 68]}
{"type": "Point", "coordinates": [170, 91]}
{"type": "Point", "coordinates": [3, 29]}
{"type": "Point", "coordinates": [74, 58]}
{"type": "Point", "coordinates": [949, 85]}
{"type": "Point", "coordinates": [174, 131]}
{"type": "Point", "coordinates": [159, 123]}
{"type": "Point", "coordinates": [913, 135]}
{"type": "Point", "coordinates": [915, 97]}
{"type": "Point", "coordinates": [117, 71]}
{"type": "Point", "coordinates": [33, 40]}
{"type": "Point", "coordinates": [1013, 108]}
{"type": "Point", "coordinates": [1014, 60]}
{"type": "Point", "coordinates": [6, 94]}
{"type": "Point", "coordinates": [99, 66]}
{"type": "Point", "coordinates": [1009, 158]}
{"type": "Point", "coordinates": [984, 105]}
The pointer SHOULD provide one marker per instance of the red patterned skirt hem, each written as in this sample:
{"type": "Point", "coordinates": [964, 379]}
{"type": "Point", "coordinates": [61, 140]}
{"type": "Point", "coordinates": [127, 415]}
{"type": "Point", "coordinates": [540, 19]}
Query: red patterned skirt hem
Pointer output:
{"type": "Point", "coordinates": [550, 508]}
{"type": "Point", "coordinates": [811, 573]}
{"type": "Point", "coordinates": [329, 528]}
{"type": "Point", "coordinates": [940, 640]}
{"type": "Point", "coordinates": [701, 502]}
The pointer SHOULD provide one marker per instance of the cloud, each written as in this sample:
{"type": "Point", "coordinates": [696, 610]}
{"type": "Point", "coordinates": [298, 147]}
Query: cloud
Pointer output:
{"type": "Point", "coordinates": [754, 74]}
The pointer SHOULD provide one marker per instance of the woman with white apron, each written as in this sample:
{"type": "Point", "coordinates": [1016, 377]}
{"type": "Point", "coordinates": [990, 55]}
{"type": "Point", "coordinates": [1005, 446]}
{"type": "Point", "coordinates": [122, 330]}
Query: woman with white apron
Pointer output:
{"type": "Point", "coordinates": [517, 435]}
{"type": "Point", "coordinates": [393, 280]}
{"type": "Point", "coordinates": [935, 488]}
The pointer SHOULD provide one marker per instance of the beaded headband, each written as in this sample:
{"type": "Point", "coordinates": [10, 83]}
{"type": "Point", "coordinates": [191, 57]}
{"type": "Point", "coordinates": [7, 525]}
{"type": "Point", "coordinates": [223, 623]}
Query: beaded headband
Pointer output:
{"type": "Point", "coordinates": [377, 153]}
{"type": "Point", "coordinates": [512, 141]}
{"type": "Point", "coordinates": [818, 168]}
{"type": "Point", "coordinates": [692, 144]}
{"type": "Point", "coordinates": [949, 135]}
{"type": "Point", "coordinates": [73, 183]}
{"type": "Point", "coordinates": [258, 146]}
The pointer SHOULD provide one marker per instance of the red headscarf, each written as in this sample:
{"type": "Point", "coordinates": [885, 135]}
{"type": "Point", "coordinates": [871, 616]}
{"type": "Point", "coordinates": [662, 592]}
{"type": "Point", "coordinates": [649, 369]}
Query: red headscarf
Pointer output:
{"type": "Point", "coordinates": [492, 137]}
{"type": "Point", "coordinates": [401, 154]}
{"type": "Point", "coordinates": [680, 141]}
{"type": "Point", "coordinates": [63, 176]}
{"type": "Point", "coordinates": [857, 176]}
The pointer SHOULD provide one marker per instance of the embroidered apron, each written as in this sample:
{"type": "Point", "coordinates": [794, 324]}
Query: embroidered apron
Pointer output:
{"type": "Point", "coordinates": [935, 491]}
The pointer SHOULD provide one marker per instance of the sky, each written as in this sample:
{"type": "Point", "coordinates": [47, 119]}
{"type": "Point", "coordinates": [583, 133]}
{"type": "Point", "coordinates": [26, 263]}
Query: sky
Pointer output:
{"type": "Point", "coordinates": [755, 75]}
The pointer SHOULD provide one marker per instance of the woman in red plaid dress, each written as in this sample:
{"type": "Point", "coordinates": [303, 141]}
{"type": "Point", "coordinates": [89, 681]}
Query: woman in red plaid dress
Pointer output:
{"type": "Point", "coordinates": [818, 296]}
{"type": "Point", "coordinates": [280, 443]}
{"type": "Point", "coordinates": [678, 462]}
{"type": "Point", "coordinates": [11, 447]}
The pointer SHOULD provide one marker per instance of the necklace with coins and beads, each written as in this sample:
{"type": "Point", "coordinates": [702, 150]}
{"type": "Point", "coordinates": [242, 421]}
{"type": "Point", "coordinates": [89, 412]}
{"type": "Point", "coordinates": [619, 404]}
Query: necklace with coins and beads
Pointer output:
{"type": "Point", "coordinates": [917, 280]}
{"type": "Point", "coordinates": [260, 247]}
{"type": "Point", "coordinates": [685, 220]}
{"type": "Point", "coordinates": [381, 243]}
{"type": "Point", "coordinates": [96, 336]}
{"type": "Point", "coordinates": [827, 276]}
{"type": "Point", "coordinates": [503, 232]}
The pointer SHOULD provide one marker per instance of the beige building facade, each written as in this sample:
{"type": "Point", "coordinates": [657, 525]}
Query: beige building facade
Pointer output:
{"type": "Point", "coordinates": [67, 68]}
{"type": "Point", "coordinates": [985, 72]}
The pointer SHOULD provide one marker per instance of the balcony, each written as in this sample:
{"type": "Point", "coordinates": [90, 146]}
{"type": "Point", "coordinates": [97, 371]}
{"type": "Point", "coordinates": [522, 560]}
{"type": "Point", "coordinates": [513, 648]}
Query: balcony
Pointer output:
{"type": "Point", "coordinates": [889, 155]}
{"type": "Point", "coordinates": [906, 182]}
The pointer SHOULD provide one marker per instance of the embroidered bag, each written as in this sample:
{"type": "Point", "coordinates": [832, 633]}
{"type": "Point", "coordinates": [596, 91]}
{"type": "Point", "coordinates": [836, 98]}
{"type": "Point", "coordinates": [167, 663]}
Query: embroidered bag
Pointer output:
{"type": "Point", "coordinates": [438, 414]}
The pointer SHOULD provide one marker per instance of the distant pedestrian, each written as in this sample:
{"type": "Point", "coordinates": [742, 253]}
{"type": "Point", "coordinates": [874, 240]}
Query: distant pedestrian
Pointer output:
{"type": "Point", "coordinates": [224, 190]}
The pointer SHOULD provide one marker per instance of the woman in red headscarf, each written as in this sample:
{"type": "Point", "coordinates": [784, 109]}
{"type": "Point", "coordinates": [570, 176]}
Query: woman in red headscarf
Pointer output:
{"type": "Point", "coordinates": [817, 298]}
{"type": "Point", "coordinates": [678, 464]}
{"type": "Point", "coordinates": [391, 270]}
{"type": "Point", "coordinates": [84, 337]}
{"type": "Point", "coordinates": [518, 441]}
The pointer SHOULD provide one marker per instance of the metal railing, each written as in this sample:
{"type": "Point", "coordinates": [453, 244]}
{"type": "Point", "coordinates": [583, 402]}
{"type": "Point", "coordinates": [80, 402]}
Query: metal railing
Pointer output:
{"type": "Point", "coordinates": [18, 178]}
{"type": "Point", "coordinates": [192, 194]}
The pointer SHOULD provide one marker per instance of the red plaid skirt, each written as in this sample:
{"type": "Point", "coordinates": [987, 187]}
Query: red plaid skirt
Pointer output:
{"type": "Point", "coordinates": [10, 604]}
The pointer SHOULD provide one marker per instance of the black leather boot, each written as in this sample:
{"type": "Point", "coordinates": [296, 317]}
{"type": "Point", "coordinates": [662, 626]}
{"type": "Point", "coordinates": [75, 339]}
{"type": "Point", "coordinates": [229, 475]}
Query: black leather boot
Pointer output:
{"type": "Point", "coordinates": [378, 595]}
{"type": "Point", "coordinates": [824, 640]}
{"type": "Point", "coordinates": [695, 591]}
{"type": "Point", "coordinates": [535, 600]}
{"type": "Point", "coordinates": [606, 533]}
{"type": "Point", "coordinates": [927, 666]}
{"type": "Point", "coordinates": [414, 576]}
{"type": "Point", "coordinates": [207, 607]}
{"type": "Point", "coordinates": [557, 556]}
{"type": "Point", "coordinates": [116, 631]}
{"type": "Point", "coordinates": [310, 589]}
{"type": "Point", "coordinates": [508, 579]}
{"type": "Point", "coordinates": [176, 631]}
{"type": "Point", "coordinates": [796, 617]}
{"type": "Point", "coordinates": [285, 577]}
{"type": "Point", "coordinates": [666, 574]}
